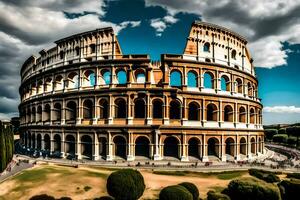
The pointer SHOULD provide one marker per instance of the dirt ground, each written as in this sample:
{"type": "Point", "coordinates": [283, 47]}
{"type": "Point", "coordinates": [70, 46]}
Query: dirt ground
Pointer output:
{"type": "Point", "coordinates": [90, 182]}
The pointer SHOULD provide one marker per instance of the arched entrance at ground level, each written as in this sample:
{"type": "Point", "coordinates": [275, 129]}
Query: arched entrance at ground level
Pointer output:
{"type": "Point", "coordinates": [142, 146]}
{"type": "Point", "coordinates": [120, 146]}
{"type": "Point", "coordinates": [33, 145]}
{"type": "Point", "coordinates": [70, 144]}
{"type": "Point", "coordinates": [57, 143]}
{"type": "Point", "coordinates": [47, 142]}
{"type": "Point", "coordinates": [102, 147]}
{"type": "Point", "coordinates": [194, 147]}
{"type": "Point", "coordinates": [29, 140]}
{"type": "Point", "coordinates": [213, 147]}
{"type": "Point", "coordinates": [259, 145]}
{"type": "Point", "coordinates": [253, 145]}
{"type": "Point", "coordinates": [171, 148]}
{"type": "Point", "coordinates": [229, 146]}
{"type": "Point", "coordinates": [243, 146]}
{"type": "Point", "coordinates": [87, 146]}
{"type": "Point", "coordinates": [39, 141]}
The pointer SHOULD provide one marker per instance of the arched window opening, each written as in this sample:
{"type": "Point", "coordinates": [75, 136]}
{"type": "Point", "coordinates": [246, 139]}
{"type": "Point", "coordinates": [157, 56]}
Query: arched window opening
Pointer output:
{"type": "Point", "coordinates": [92, 48]}
{"type": "Point", "coordinates": [243, 146]}
{"type": "Point", "coordinates": [103, 109]}
{"type": "Point", "coordinates": [250, 94]}
{"type": "Point", "coordinates": [70, 144]}
{"type": "Point", "coordinates": [192, 79]}
{"type": "Point", "coordinates": [175, 110]}
{"type": "Point", "coordinates": [122, 77]}
{"type": "Point", "coordinates": [89, 78]}
{"type": "Point", "coordinates": [40, 87]}
{"type": "Point", "coordinates": [175, 79]}
{"type": "Point", "coordinates": [225, 84]}
{"type": "Point", "coordinates": [57, 112]}
{"type": "Point", "coordinates": [242, 115]}
{"type": "Point", "coordinates": [88, 110]}
{"type": "Point", "coordinates": [48, 85]}
{"type": "Point", "coordinates": [120, 108]}
{"type": "Point", "coordinates": [157, 109]}
{"type": "Point", "coordinates": [39, 142]}
{"type": "Point", "coordinates": [73, 80]}
{"type": "Point", "coordinates": [57, 143]}
{"type": "Point", "coordinates": [212, 112]}
{"type": "Point", "coordinates": [194, 111]}
{"type": "Point", "coordinates": [77, 51]}
{"type": "Point", "coordinates": [106, 75]}
{"type": "Point", "coordinates": [252, 116]}
{"type": "Point", "coordinates": [61, 55]}
{"type": "Point", "coordinates": [140, 77]}
{"type": "Point", "coordinates": [171, 147]}
{"type": "Point", "coordinates": [71, 111]}
{"type": "Point", "coordinates": [213, 147]}
{"type": "Point", "coordinates": [33, 115]}
{"type": "Point", "coordinates": [120, 147]}
{"type": "Point", "coordinates": [139, 109]}
{"type": "Point", "coordinates": [194, 148]}
{"type": "Point", "coordinates": [208, 80]}
{"type": "Point", "coordinates": [39, 113]}
{"type": "Point", "coordinates": [142, 147]}
{"type": "Point", "coordinates": [229, 146]}
{"type": "Point", "coordinates": [47, 142]}
{"type": "Point", "coordinates": [206, 47]}
{"type": "Point", "coordinates": [58, 83]}
{"type": "Point", "coordinates": [233, 54]}
{"type": "Point", "coordinates": [87, 147]}
{"type": "Point", "coordinates": [47, 111]}
{"type": "Point", "coordinates": [228, 114]}
{"type": "Point", "coordinates": [252, 142]}
{"type": "Point", "coordinates": [102, 147]}
{"type": "Point", "coordinates": [239, 86]}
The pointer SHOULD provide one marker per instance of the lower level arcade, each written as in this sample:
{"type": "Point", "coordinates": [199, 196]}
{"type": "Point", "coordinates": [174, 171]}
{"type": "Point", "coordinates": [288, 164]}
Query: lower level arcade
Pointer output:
{"type": "Point", "coordinates": [157, 145]}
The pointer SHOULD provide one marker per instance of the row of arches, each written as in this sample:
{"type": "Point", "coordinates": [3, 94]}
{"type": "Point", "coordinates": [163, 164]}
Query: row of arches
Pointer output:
{"type": "Point", "coordinates": [193, 111]}
{"type": "Point", "coordinates": [170, 146]}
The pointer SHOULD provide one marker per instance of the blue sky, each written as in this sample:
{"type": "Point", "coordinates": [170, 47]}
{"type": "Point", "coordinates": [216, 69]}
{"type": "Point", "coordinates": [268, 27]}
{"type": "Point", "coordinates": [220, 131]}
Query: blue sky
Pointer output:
{"type": "Point", "coordinates": [155, 27]}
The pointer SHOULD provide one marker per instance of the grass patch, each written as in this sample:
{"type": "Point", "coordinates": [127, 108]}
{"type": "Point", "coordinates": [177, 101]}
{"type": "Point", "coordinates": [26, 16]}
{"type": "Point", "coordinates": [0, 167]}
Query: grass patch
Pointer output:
{"type": "Point", "coordinates": [96, 174]}
{"type": "Point", "coordinates": [87, 188]}
{"type": "Point", "coordinates": [170, 173]}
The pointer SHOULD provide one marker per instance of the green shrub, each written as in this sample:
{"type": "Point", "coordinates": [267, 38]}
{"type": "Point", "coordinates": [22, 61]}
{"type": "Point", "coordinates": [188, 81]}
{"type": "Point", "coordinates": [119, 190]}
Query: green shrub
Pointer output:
{"type": "Point", "coordinates": [175, 192]}
{"type": "Point", "coordinates": [192, 188]}
{"type": "Point", "coordinates": [281, 138]}
{"type": "Point", "coordinates": [125, 184]}
{"type": "Point", "coordinates": [289, 189]}
{"type": "Point", "coordinates": [293, 130]}
{"type": "Point", "coordinates": [267, 176]}
{"type": "Point", "coordinates": [42, 197]}
{"type": "Point", "coordinates": [293, 175]}
{"type": "Point", "coordinates": [211, 195]}
{"type": "Point", "coordinates": [292, 140]}
{"type": "Point", "coordinates": [64, 198]}
{"type": "Point", "coordinates": [104, 198]}
{"type": "Point", "coordinates": [282, 131]}
{"type": "Point", "coordinates": [269, 133]}
{"type": "Point", "coordinates": [252, 189]}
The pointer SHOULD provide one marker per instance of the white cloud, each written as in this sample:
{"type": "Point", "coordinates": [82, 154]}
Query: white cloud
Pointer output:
{"type": "Point", "coordinates": [160, 24]}
{"type": "Point", "coordinates": [266, 24]}
{"type": "Point", "coordinates": [282, 109]}
{"type": "Point", "coordinates": [132, 24]}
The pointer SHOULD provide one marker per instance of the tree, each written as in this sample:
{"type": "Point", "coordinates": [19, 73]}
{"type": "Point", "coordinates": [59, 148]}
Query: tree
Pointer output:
{"type": "Point", "coordinates": [192, 188]}
{"type": "Point", "coordinates": [175, 192]}
{"type": "Point", "coordinates": [269, 133]}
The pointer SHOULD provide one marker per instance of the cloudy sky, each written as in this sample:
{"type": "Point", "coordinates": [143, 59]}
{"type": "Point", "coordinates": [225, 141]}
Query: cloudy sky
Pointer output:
{"type": "Point", "coordinates": [272, 28]}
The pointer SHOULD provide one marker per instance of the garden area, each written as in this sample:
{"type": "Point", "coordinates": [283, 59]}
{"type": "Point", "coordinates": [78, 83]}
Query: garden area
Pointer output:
{"type": "Point", "coordinates": [50, 182]}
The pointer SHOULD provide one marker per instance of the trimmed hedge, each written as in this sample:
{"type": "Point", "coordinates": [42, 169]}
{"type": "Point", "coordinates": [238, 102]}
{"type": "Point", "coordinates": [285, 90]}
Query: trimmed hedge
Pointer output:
{"type": "Point", "coordinates": [175, 192]}
{"type": "Point", "coordinates": [281, 138]}
{"type": "Point", "coordinates": [293, 175]}
{"type": "Point", "coordinates": [267, 176]}
{"type": "Point", "coordinates": [211, 195]}
{"type": "Point", "coordinates": [192, 188]}
{"type": "Point", "coordinates": [104, 198]}
{"type": "Point", "coordinates": [125, 184]}
{"type": "Point", "coordinates": [250, 189]}
{"type": "Point", "coordinates": [289, 189]}
{"type": "Point", "coordinates": [42, 197]}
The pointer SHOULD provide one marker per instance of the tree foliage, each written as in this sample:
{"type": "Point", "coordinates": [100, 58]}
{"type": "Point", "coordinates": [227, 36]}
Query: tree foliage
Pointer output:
{"type": "Point", "coordinates": [6, 146]}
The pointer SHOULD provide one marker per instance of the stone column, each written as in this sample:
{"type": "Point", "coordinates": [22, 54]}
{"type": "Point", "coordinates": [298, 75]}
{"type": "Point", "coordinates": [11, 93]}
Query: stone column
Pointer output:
{"type": "Point", "coordinates": [78, 146]}
{"type": "Point", "coordinates": [166, 111]}
{"type": "Point", "coordinates": [204, 150]}
{"type": "Point", "coordinates": [109, 156]}
{"type": "Point", "coordinates": [184, 154]}
{"type": "Point", "coordinates": [62, 145]}
{"type": "Point", "coordinates": [79, 111]}
{"type": "Point", "coordinates": [157, 155]}
{"type": "Point", "coordinates": [223, 149]}
{"type": "Point", "coordinates": [95, 147]}
{"type": "Point", "coordinates": [111, 110]}
{"type": "Point", "coordinates": [130, 156]}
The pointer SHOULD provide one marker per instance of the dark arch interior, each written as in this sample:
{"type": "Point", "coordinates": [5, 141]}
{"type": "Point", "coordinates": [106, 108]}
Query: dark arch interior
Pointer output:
{"type": "Point", "coordinates": [175, 110]}
{"type": "Point", "coordinates": [157, 109]}
{"type": "Point", "coordinates": [102, 147]}
{"type": "Point", "coordinates": [88, 109]}
{"type": "Point", "coordinates": [229, 146]}
{"type": "Point", "coordinates": [120, 147]}
{"type": "Point", "coordinates": [171, 147]}
{"type": "Point", "coordinates": [70, 144]}
{"type": "Point", "coordinates": [120, 108]}
{"type": "Point", "coordinates": [211, 112]}
{"type": "Point", "coordinates": [103, 109]}
{"type": "Point", "coordinates": [243, 146]}
{"type": "Point", "coordinates": [39, 142]}
{"type": "Point", "coordinates": [47, 142]}
{"type": "Point", "coordinates": [87, 146]}
{"type": "Point", "coordinates": [193, 111]}
{"type": "Point", "coordinates": [213, 147]}
{"type": "Point", "coordinates": [142, 146]}
{"type": "Point", "coordinates": [57, 143]}
{"type": "Point", "coordinates": [71, 112]}
{"type": "Point", "coordinates": [139, 109]}
{"type": "Point", "coordinates": [194, 148]}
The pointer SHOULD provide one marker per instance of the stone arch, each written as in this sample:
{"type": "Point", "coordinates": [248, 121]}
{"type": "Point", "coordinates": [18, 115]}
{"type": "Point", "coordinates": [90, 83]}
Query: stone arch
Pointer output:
{"type": "Point", "coordinates": [120, 146]}
{"type": "Point", "coordinates": [252, 116]}
{"type": "Point", "coordinates": [88, 109]}
{"type": "Point", "coordinates": [252, 143]}
{"type": "Point", "coordinates": [73, 80]}
{"type": "Point", "coordinates": [239, 85]}
{"type": "Point", "coordinates": [208, 79]}
{"type": "Point", "coordinates": [211, 112]}
{"type": "Point", "coordinates": [58, 83]}
{"type": "Point", "coordinates": [71, 111]}
{"type": "Point", "coordinates": [259, 145]}
{"type": "Point", "coordinates": [193, 111]}
{"type": "Point", "coordinates": [102, 147]}
{"type": "Point", "coordinates": [47, 113]}
{"type": "Point", "coordinates": [87, 146]}
{"type": "Point", "coordinates": [140, 108]}
{"type": "Point", "coordinates": [140, 76]}
{"type": "Point", "coordinates": [175, 109]}
{"type": "Point", "coordinates": [39, 113]}
{"type": "Point", "coordinates": [48, 85]}
{"type": "Point", "coordinates": [192, 77]}
{"type": "Point", "coordinates": [175, 78]}
{"type": "Point", "coordinates": [225, 83]}
{"type": "Point", "coordinates": [194, 147]}
{"type": "Point", "coordinates": [243, 146]}
{"type": "Point", "coordinates": [242, 114]}
{"type": "Point", "coordinates": [121, 76]}
{"type": "Point", "coordinates": [250, 89]}
{"type": "Point", "coordinates": [157, 109]}
{"type": "Point", "coordinates": [57, 143]}
{"type": "Point", "coordinates": [103, 109]}
{"type": "Point", "coordinates": [142, 146]}
{"type": "Point", "coordinates": [33, 145]}
{"type": "Point", "coordinates": [89, 78]}
{"type": "Point", "coordinates": [120, 108]}
{"type": "Point", "coordinates": [171, 147]}
{"type": "Point", "coordinates": [105, 78]}
{"type": "Point", "coordinates": [228, 113]}
{"type": "Point", "coordinates": [70, 144]}
{"type": "Point", "coordinates": [57, 112]}
{"type": "Point", "coordinates": [39, 141]}
{"type": "Point", "coordinates": [230, 145]}
{"type": "Point", "coordinates": [47, 142]}
{"type": "Point", "coordinates": [33, 114]}
{"type": "Point", "coordinates": [213, 147]}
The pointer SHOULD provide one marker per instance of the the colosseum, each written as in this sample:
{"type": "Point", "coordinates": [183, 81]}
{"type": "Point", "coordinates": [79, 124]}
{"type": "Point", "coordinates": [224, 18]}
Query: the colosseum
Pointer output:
{"type": "Point", "coordinates": [83, 97]}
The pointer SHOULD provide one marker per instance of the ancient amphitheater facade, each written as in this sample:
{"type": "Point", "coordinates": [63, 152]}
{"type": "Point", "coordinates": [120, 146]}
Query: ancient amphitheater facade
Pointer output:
{"type": "Point", "coordinates": [84, 97]}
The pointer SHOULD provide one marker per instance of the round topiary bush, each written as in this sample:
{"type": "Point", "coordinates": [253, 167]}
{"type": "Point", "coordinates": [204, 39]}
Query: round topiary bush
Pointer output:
{"type": "Point", "coordinates": [42, 197]}
{"type": "Point", "coordinates": [251, 188]}
{"type": "Point", "coordinates": [175, 192]}
{"type": "Point", "coordinates": [211, 195]}
{"type": "Point", "coordinates": [125, 184]}
{"type": "Point", "coordinates": [104, 198]}
{"type": "Point", "coordinates": [192, 188]}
